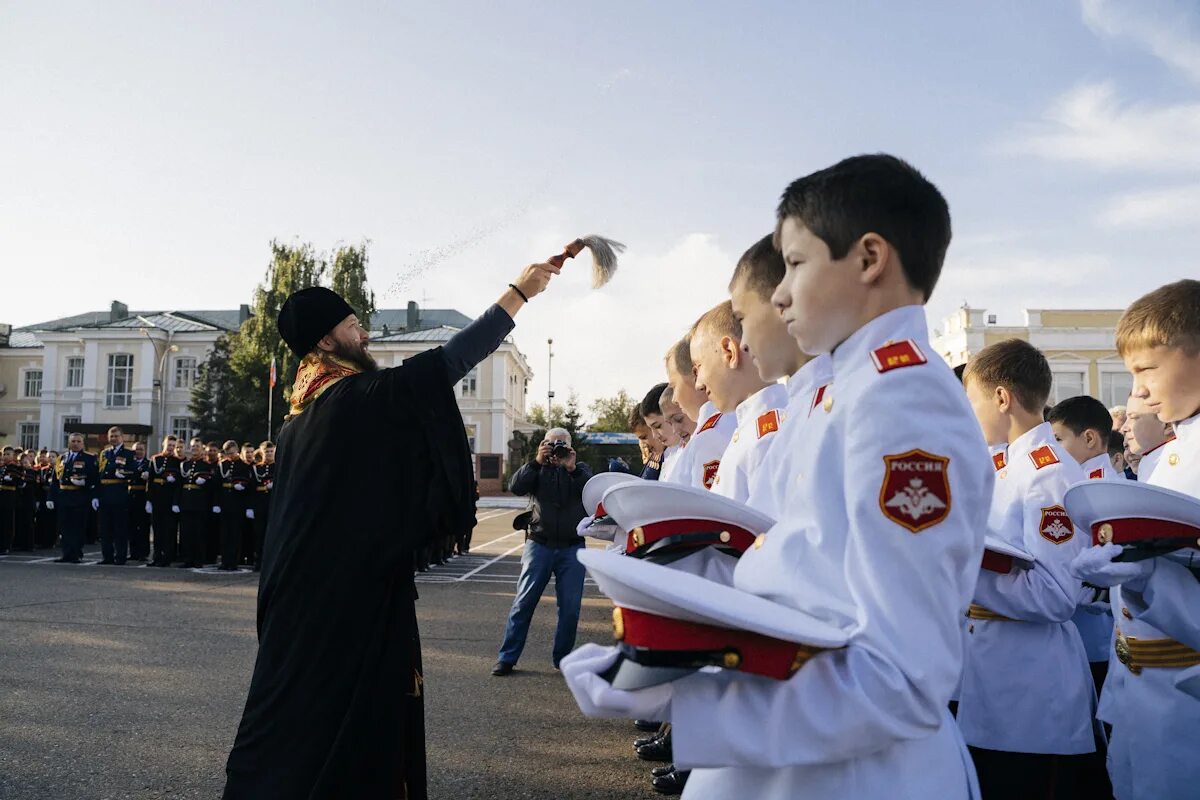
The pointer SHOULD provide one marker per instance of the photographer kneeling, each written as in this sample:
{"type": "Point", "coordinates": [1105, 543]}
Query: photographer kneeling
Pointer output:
{"type": "Point", "coordinates": [555, 482]}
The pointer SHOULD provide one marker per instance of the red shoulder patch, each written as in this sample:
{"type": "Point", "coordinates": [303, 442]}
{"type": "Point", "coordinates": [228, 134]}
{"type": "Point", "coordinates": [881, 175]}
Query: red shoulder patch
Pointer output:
{"type": "Point", "coordinates": [1096, 474]}
{"type": "Point", "coordinates": [895, 355]}
{"type": "Point", "coordinates": [710, 473]}
{"type": "Point", "coordinates": [999, 460]}
{"type": "Point", "coordinates": [1056, 526]}
{"type": "Point", "coordinates": [916, 489]}
{"type": "Point", "coordinates": [768, 423]}
{"type": "Point", "coordinates": [710, 423]}
{"type": "Point", "coordinates": [1043, 456]}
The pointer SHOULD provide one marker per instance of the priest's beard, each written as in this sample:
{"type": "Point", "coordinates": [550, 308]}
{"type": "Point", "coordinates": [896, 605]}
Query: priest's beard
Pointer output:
{"type": "Point", "coordinates": [357, 355]}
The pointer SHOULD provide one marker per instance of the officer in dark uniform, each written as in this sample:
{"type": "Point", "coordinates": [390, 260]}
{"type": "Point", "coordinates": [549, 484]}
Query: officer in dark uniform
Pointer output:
{"type": "Point", "coordinates": [72, 494]}
{"type": "Point", "coordinates": [195, 506]}
{"type": "Point", "coordinates": [236, 488]}
{"type": "Point", "coordinates": [212, 536]}
{"type": "Point", "coordinates": [139, 514]}
{"type": "Point", "coordinates": [12, 482]}
{"type": "Point", "coordinates": [260, 510]}
{"type": "Point", "coordinates": [26, 502]}
{"type": "Point", "coordinates": [112, 503]}
{"type": "Point", "coordinates": [47, 518]}
{"type": "Point", "coordinates": [164, 487]}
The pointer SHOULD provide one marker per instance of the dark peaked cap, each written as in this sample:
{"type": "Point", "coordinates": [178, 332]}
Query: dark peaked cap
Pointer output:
{"type": "Point", "coordinates": [308, 315]}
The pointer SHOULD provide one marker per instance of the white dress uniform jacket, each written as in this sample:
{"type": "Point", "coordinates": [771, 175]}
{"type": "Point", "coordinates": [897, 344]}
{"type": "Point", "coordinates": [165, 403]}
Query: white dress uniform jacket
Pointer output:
{"type": "Point", "coordinates": [759, 419]}
{"type": "Point", "coordinates": [670, 462]}
{"type": "Point", "coordinates": [1094, 618]}
{"type": "Point", "coordinates": [770, 484]}
{"type": "Point", "coordinates": [706, 448]}
{"type": "Point", "coordinates": [1026, 686]}
{"type": "Point", "coordinates": [1150, 460]}
{"type": "Point", "coordinates": [1155, 725]}
{"type": "Point", "coordinates": [882, 535]}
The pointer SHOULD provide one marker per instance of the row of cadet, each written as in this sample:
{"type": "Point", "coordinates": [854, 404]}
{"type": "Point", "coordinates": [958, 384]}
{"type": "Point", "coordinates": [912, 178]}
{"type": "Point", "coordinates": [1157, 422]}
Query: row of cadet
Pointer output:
{"type": "Point", "coordinates": [854, 573]}
{"type": "Point", "coordinates": [190, 505]}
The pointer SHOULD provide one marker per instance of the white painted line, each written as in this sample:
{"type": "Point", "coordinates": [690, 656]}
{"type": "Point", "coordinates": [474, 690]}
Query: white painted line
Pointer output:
{"type": "Point", "coordinates": [46, 560]}
{"type": "Point", "coordinates": [487, 564]}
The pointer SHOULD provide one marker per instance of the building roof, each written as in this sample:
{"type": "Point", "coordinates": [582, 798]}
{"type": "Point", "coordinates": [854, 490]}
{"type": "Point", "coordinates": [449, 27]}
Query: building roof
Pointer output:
{"type": "Point", "coordinates": [439, 334]}
{"type": "Point", "coordinates": [396, 319]}
{"type": "Point", "coordinates": [22, 339]}
{"type": "Point", "coordinates": [173, 321]}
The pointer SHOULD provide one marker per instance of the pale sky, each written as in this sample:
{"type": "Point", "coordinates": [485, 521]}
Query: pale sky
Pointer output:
{"type": "Point", "coordinates": [149, 151]}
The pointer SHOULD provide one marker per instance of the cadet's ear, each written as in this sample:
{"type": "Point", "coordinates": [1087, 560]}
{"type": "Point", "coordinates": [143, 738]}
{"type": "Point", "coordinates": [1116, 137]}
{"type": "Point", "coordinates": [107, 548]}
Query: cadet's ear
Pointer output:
{"type": "Point", "coordinates": [1003, 399]}
{"type": "Point", "coordinates": [873, 255]}
{"type": "Point", "coordinates": [731, 352]}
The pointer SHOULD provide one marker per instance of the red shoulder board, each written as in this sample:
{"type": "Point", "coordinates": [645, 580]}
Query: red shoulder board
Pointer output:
{"type": "Point", "coordinates": [1056, 526]}
{"type": "Point", "coordinates": [710, 473]}
{"type": "Point", "coordinates": [896, 355]}
{"type": "Point", "coordinates": [710, 423]}
{"type": "Point", "coordinates": [1095, 474]}
{"type": "Point", "coordinates": [818, 396]}
{"type": "Point", "coordinates": [768, 423]}
{"type": "Point", "coordinates": [998, 461]}
{"type": "Point", "coordinates": [1043, 456]}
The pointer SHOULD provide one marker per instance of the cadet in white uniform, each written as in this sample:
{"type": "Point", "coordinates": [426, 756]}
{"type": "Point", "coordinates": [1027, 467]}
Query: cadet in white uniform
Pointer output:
{"type": "Point", "coordinates": [883, 530]}
{"type": "Point", "coordinates": [706, 447]}
{"type": "Point", "coordinates": [1027, 693]}
{"type": "Point", "coordinates": [1155, 725]}
{"type": "Point", "coordinates": [759, 419]}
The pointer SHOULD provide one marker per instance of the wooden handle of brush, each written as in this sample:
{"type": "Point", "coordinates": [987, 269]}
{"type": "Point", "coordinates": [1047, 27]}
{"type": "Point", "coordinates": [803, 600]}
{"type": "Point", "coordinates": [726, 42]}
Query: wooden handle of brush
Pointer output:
{"type": "Point", "coordinates": [570, 251]}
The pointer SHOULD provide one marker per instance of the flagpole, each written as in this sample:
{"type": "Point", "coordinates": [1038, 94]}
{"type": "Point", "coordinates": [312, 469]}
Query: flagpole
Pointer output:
{"type": "Point", "coordinates": [270, 398]}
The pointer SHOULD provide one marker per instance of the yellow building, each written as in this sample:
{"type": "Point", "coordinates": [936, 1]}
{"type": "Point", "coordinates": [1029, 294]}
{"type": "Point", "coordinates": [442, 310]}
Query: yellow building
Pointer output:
{"type": "Point", "coordinates": [1080, 345]}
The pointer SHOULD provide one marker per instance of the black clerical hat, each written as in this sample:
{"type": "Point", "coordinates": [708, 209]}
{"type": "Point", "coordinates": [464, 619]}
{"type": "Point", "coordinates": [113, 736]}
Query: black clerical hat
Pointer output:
{"type": "Point", "coordinates": [308, 315]}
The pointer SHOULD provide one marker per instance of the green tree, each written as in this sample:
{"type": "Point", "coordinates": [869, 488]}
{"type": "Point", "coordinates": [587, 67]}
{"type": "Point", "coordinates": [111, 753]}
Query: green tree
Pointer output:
{"type": "Point", "coordinates": [612, 413]}
{"type": "Point", "coordinates": [348, 277]}
{"type": "Point", "coordinates": [537, 415]}
{"type": "Point", "coordinates": [210, 395]}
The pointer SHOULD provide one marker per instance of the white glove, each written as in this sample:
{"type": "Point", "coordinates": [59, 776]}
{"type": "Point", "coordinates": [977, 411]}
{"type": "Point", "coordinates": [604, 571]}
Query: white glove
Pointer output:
{"type": "Point", "coordinates": [238, 487]}
{"type": "Point", "coordinates": [216, 509]}
{"type": "Point", "coordinates": [95, 504]}
{"type": "Point", "coordinates": [597, 698]}
{"type": "Point", "coordinates": [1096, 566]}
{"type": "Point", "coordinates": [174, 509]}
{"type": "Point", "coordinates": [200, 481]}
{"type": "Point", "coordinates": [249, 513]}
{"type": "Point", "coordinates": [78, 481]}
{"type": "Point", "coordinates": [145, 476]}
{"type": "Point", "coordinates": [149, 507]}
{"type": "Point", "coordinates": [170, 477]}
{"type": "Point", "coordinates": [49, 505]}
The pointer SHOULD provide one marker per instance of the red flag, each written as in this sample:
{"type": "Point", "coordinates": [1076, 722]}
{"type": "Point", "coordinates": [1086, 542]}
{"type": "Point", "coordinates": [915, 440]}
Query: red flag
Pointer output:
{"type": "Point", "coordinates": [272, 372]}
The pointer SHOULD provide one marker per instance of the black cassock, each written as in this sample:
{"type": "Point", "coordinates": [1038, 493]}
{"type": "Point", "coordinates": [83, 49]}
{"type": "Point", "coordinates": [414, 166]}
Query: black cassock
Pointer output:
{"type": "Point", "coordinates": [368, 473]}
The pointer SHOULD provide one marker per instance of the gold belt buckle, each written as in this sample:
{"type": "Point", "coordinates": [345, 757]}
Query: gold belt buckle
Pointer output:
{"type": "Point", "coordinates": [1124, 655]}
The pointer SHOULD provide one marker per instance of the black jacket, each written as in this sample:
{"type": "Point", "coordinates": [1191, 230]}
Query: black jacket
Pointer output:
{"type": "Point", "coordinates": [557, 501]}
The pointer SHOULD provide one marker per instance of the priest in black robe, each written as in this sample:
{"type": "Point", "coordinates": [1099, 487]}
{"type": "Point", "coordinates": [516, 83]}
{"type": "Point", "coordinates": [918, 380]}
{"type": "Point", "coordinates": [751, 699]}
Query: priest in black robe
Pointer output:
{"type": "Point", "coordinates": [335, 707]}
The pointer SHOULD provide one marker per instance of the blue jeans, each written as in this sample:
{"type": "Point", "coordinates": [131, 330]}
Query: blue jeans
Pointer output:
{"type": "Point", "coordinates": [538, 562]}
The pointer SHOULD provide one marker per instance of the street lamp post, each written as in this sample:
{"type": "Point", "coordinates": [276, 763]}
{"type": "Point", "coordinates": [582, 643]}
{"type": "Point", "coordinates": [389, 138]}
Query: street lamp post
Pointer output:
{"type": "Point", "coordinates": [549, 385]}
{"type": "Point", "coordinates": [161, 349]}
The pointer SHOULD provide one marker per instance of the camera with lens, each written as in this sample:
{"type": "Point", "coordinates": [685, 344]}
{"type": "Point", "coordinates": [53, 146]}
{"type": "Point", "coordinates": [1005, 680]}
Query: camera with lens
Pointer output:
{"type": "Point", "coordinates": [560, 451]}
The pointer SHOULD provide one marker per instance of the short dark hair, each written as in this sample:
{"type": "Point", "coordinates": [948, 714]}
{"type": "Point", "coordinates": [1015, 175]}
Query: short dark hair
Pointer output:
{"type": "Point", "coordinates": [1082, 413]}
{"type": "Point", "coordinates": [635, 419]}
{"type": "Point", "coordinates": [878, 194]}
{"type": "Point", "coordinates": [651, 402]}
{"type": "Point", "coordinates": [1116, 443]}
{"type": "Point", "coordinates": [1017, 366]}
{"type": "Point", "coordinates": [761, 267]}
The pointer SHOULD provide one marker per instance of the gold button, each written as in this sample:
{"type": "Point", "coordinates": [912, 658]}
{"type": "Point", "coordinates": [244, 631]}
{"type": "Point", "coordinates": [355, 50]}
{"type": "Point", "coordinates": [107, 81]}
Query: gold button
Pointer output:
{"type": "Point", "coordinates": [1004, 473]}
{"type": "Point", "coordinates": [1126, 613]}
{"type": "Point", "coordinates": [736, 436]}
{"type": "Point", "coordinates": [1173, 459]}
{"type": "Point", "coordinates": [618, 625]}
{"type": "Point", "coordinates": [827, 405]}
{"type": "Point", "coordinates": [759, 541]}
{"type": "Point", "coordinates": [732, 660]}
{"type": "Point", "coordinates": [639, 537]}
{"type": "Point", "coordinates": [1105, 533]}
{"type": "Point", "coordinates": [725, 537]}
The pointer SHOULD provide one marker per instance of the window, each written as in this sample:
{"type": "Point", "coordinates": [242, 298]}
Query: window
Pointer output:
{"type": "Point", "coordinates": [119, 392]}
{"type": "Point", "coordinates": [30, 433]}
{"type": "Point", "coordinates": [181, 428]}
{"type": "Point", "coordinates": [185, 373]}
{"type": "Point", "coordinates": [470, 384]}
{"type": "Point", "coordinates": [472, 433]}
{"type": "Point", "coordinates": [70, 425]}
{"type": "Point", "coordinates": [1115, 388]}
{"type": "Point", "coordinates": [75, 372]}
{"type": "Point", "coordinates": [1066, 384]}
{"type": "Point", "coordinates": [33, 383]}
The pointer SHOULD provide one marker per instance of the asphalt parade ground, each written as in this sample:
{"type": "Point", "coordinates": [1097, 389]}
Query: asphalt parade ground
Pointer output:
{"type": "Point", "coordinates": [128, 682]}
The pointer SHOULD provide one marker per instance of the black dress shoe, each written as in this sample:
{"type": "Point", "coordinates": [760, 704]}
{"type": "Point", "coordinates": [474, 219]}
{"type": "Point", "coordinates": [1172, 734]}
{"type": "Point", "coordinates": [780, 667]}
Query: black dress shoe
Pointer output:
{"type": "Point", "coordinates": [502, 668]}
{"type": "Point", "coordinates": [645, 740]}
{"type": "Point", "coordinates": [658, 772]}
{"type": "Point", "coordinates": [671, 783]}
{"type": "Point", "coordinates": [107, 561]}
{"type": "Point", "coordinates": [656, 751]}
{"type": "Point", "coordinates": [647, 725]}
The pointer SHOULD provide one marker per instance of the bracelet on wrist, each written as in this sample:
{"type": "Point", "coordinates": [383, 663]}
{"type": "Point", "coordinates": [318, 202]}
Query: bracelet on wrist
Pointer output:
{"type": "Point", "coordinates": [513, 286]}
